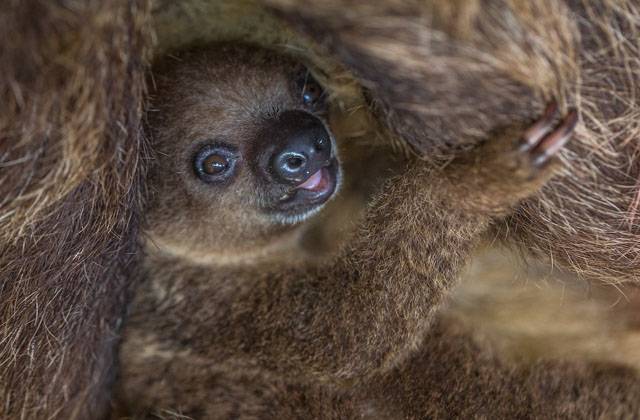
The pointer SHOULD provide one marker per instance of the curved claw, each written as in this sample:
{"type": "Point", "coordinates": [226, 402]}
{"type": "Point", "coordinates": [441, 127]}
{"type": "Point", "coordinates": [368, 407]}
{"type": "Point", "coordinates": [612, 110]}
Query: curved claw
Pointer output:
{"type": "Point", "coordinates": [542, 127]}
{"type": "Point", "coordinates": [554, 141]}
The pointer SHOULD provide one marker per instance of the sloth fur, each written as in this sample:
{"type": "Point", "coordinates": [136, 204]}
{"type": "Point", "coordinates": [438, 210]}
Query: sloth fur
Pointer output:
{"type": "Point", "coordinates": [206, 336]}
{"type": "Point", "coordinates": [71, 156]}
{"type": "Point", "coordinates": [442, 74]}
{"type": "Point", "coordinates": [446, 73]}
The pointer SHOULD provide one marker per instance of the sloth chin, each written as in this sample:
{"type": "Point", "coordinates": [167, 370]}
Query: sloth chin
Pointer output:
{"type": "Point", "coordinates": [310, 196]}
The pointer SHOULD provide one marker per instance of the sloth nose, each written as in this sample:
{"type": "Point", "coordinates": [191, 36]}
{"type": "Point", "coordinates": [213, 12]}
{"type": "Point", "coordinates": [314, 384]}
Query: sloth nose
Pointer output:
{"type": "Point", "coordinates": [304, 149]}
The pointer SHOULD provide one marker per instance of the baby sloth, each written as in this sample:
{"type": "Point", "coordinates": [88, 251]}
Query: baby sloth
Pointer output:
{"type": "Point", "coordinates": [244, 155]}
{"type": "Point", "coordinates": [226, 312]}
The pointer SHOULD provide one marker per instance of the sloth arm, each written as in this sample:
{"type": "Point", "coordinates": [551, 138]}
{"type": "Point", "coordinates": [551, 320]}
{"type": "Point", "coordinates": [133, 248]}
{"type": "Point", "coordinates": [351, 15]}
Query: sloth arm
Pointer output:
{"type": "Point", "coordinates": [342, 320]}
{"type": "Point", "coordinates": [372, 305]}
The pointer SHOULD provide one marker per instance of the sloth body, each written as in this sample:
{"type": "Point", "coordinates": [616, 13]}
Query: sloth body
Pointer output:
{"type": "Point", "coordinates": [347, 337]}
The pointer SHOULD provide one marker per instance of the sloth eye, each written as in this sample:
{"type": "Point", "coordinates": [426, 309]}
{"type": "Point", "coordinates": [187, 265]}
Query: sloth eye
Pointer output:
{"type": "Point", "coordinates": [312, 93]}
{"type": "Point", "coordinates": [214, 163]}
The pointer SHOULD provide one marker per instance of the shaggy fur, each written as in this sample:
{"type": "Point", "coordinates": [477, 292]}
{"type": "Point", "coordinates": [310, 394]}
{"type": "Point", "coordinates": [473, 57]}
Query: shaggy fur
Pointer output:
{"type": "Point", "coordinates": [71, 76]}
{"type": "Point", "coordinates": [444, 73]}
{"type": "Point", "coordinates": [451, 376]}
{"type": "Point", "coordinates": [201, 331]}
{"type": "Point", "coordinates": [70, 152]}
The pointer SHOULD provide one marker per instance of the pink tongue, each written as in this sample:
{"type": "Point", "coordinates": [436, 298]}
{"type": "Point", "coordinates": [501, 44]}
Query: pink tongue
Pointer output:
{"type": "Point", "coordinates": [313, 181]}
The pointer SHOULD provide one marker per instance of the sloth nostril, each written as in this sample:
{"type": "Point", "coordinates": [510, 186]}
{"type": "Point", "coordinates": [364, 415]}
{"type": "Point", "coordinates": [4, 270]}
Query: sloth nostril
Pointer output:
{"type": "Point", "coordinates": [320, 144]}
{"type": "Point", "coordinates": [295, 162]}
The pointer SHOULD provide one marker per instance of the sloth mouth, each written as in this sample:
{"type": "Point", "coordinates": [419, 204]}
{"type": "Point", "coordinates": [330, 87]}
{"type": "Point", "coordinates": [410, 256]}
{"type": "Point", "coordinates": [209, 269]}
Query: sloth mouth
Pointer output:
{"type": "Point", "coordinates": [309, 196]}
{"type": "Point", "coordinates": [318, 182]}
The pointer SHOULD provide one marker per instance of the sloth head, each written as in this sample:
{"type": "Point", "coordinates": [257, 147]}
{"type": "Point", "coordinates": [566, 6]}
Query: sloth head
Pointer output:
{"type": "Point", "coordinates": [242, 152]}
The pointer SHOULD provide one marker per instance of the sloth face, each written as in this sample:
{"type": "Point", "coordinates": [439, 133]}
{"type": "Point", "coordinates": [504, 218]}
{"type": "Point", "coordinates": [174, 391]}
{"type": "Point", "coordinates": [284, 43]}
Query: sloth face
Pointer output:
{"type": "Point", "coordinates": [242, 149]}
{"type": "Point", "coordinates": [291, 163]}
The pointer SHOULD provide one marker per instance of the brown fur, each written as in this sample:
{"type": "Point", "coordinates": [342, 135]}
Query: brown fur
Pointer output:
{"type": "Point", "coordinates": [70, 148]}
{"type": "Point", "coordinates": [447, 72]}
{"type": "Point", "coordinates": [451, 376]}
{"type": "Point", "coordinates": [88, 88]}
{"type": "Point", "coordinates": [535, 311]}
{"type": "Point", "coordinates": [206, 327]}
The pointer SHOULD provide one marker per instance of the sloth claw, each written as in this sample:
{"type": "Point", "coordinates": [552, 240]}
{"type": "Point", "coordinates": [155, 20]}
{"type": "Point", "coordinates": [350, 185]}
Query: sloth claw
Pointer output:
{"type": "Point", "coordinates": [542, 140]}
{"type": "Point", "coordinates": [541, 128]}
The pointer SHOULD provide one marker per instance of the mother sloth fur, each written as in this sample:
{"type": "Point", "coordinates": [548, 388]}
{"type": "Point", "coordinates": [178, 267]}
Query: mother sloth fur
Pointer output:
{"type": "Point", "coordinates": [443, 75]}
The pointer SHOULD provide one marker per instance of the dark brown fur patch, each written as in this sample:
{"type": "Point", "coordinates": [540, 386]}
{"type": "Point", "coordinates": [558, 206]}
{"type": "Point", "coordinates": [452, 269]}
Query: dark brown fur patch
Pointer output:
{"type": "Point", "coordinates": [70, 154]}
